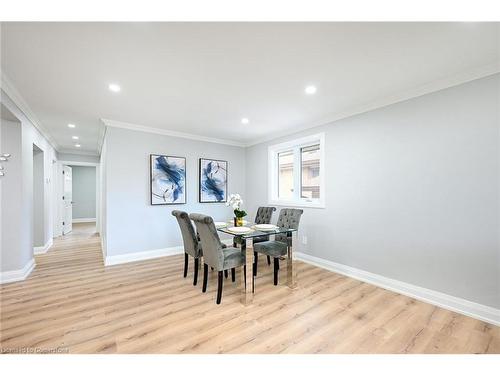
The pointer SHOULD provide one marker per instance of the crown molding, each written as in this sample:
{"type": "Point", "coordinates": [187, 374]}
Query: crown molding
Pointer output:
{"type": "Point", "coordinates": [437, 85]}
{"type": "Point", "coordinates": [171, 133]}
{"type": "Point", "coordinates": [77, 152]}
{"type": "Point", "coordinates": [428, 88]}
{"type": "Point", "coordinates": [14, 95]}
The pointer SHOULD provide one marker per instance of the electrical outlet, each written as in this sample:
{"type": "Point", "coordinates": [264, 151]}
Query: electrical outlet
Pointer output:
{"type": "Point", "coordinates": [304, 240]}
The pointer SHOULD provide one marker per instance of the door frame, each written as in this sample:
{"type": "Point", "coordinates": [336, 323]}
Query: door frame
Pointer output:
{"type": "Point", "coordinates": [58, 193]}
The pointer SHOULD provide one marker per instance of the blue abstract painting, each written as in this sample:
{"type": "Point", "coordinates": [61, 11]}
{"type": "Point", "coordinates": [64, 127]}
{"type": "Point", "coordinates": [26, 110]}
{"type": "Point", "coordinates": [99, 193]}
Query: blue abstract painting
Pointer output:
{"type": "Point", "coordinates": [213, 181]}
{"type": "Point", "coordinates": [168, 180]}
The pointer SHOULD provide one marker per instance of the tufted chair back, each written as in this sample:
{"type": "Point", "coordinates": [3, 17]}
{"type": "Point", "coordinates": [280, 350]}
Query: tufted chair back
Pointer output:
{"type": "Point", "coordinates": [264, 215]}
{"type": "Point", "coordinates": [213, 254]}
{"type": "Point", "coordinates": [189, 237]}
{"type": "Point", "coordinates": [289, 218]}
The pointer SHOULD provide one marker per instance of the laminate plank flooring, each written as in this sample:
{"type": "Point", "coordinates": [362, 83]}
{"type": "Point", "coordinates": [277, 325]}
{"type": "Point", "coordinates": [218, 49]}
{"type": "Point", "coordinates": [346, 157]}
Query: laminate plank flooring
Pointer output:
{"type": "Point", "coordinates": [71, 303]}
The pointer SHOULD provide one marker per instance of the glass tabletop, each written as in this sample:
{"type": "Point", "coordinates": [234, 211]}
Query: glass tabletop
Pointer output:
{"type": "Point", "coordinates": [254, 232]}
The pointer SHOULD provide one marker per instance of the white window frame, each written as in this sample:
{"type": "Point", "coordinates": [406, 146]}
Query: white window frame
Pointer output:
{"type": "Point", "coordinates": [273, 175]}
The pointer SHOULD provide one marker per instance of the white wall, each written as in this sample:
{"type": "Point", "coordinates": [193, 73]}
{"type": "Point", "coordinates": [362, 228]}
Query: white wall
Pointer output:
{"type": "Point", "coordinates": [131, 223]}
{"type": "Point", "coordinates": [12, 256]}
{"type": "Point", "coordinates": [21, 253]}
{"type": "Point", "coordinates": [84, 192]}
{"type": "Point", "coordinates": [412, 192]}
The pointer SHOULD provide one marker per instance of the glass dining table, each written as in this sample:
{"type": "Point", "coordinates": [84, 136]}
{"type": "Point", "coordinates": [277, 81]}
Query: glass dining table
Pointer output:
{"type": "Point", "coordinates": [245, 242]}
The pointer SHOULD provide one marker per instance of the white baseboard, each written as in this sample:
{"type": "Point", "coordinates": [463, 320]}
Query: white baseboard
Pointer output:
{"type": "Point", "coordinates": [17, 275]}
{"type": "Point", "coordinates": [43, 249]}
{"type": "Point", "coordinates": [475, 310]}
{"type": "Point", "coordinates": [112, 260]}
{"type": "Point", "coordinates": [148, 254]}
{"type": "Point", "coordinates": [84, 220]}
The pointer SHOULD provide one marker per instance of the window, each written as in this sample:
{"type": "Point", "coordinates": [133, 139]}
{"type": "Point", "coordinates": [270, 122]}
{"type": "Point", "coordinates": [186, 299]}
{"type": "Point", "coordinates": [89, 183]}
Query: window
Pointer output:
{"type": "Point", "coordinates": [309, 160]}
{"type": "Point", "coordinates": [296, 172]}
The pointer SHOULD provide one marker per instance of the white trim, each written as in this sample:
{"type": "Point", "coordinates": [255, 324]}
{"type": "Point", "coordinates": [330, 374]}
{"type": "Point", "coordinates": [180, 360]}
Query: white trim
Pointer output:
{"type": "Point", "coordinates": [475, 310]}
{"type": "Point", "coordinates": [103, 249]}
{"type": "Point", "coordinates": [79, 163]}
{"type": "Point", "coordinates": [102, 135]}
{"type": "Point", "coordinates": [43, 249]}
{"type": "Point", "coordinates": [142, 255]}
{"type": "Point", "coordinates": [295, 145]}
{"type": "Point", "coordinates": [17, 275]}
{"type": "Point", "coordinates": [428, 88]}
{"type": "Point", "coordinates": [84, 220]}
{"type": "Point", "coordinates": [171, 133]}
{"type": "Point", "coordinates": [16, 97]}
{"type": "Point", "coordinates": [77, 152]}
{"type": "Point", "coordinates": [149, 254]}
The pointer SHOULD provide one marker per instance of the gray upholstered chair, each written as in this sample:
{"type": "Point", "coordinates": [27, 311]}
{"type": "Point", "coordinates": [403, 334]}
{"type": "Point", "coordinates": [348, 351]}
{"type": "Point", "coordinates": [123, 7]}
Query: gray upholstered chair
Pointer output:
{"type": "Point", "coordinates": [263, 216]}
{"type": "Point", "coordinates": [289, 218]}
{"type": "Point", "coordinates": [214, 254]}
{"type": "Point", "coordinates": [191, 241]}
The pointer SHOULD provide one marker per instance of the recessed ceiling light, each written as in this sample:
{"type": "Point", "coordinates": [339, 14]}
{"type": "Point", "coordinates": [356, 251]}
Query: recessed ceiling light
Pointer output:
{"type": "Point", "coordinates": [74, 137]}
{"type": "Point", "coordinates": [78, 145]}
{"type": "Point", "coordinates": [310, 90]}
{"type": "Point", "coordinates": [114, 87]}
{"type": "Point", "coordinates": [71, 126]}
{"type": "Point", "coordinates": [244, 120]}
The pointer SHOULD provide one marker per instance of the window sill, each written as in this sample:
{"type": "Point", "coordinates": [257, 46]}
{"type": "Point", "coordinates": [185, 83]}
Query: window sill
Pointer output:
{"type": "Point", "coordinates": [301, 204]}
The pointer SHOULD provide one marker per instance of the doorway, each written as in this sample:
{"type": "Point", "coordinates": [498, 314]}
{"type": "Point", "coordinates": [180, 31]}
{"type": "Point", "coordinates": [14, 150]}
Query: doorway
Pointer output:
{"type": "Point", "coordinates": [67, 199]}
{"type": "Point", "coordinates": [79, 208]}
{"type": "Point", "coordinates": [38, 199]}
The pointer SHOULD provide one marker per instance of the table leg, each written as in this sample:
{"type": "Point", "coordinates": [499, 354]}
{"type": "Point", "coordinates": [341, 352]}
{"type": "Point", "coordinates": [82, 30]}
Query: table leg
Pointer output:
{"type": "Point", "coordinates": [291, 271]}
{"type": "Point", "coordinates": [247, 278]}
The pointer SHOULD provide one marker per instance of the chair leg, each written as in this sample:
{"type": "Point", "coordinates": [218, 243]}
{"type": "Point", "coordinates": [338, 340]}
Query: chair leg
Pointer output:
{"type": "Point", "coordinates": [205, 277]}
{"type": "Point", "coordinates": [268, 260]}
{"type": "Point", "coordinates": [219, 288]}
{"type": "Point", "coordinates": [276, 270]}
{"type": "Point", "coordinates": [255, 262]}
{"type": "Point", "coordinates": [233, 275]}
{"type": "Point", "coordinates": [186, 264]}
{"type": "Point", "coordinates": [226, 274]}
{"type": "Point", "coordinates": [196, 266]}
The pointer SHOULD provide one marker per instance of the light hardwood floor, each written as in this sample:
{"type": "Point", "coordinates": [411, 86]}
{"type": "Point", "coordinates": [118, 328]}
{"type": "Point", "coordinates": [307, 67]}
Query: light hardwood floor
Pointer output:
{"type": "Point", "coordinates": [72, 302]}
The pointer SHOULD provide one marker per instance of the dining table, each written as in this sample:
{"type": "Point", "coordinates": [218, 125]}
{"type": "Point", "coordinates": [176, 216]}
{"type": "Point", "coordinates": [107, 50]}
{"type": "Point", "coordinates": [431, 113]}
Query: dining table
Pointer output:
{"type": "Point", "coordinates": [246, 242]}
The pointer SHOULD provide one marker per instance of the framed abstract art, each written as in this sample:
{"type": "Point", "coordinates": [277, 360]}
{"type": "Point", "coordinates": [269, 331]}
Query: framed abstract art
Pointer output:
{"type": "Point", "coordinates": [167, 179]}
{"type": "Point", "coordinates": [213, 181]}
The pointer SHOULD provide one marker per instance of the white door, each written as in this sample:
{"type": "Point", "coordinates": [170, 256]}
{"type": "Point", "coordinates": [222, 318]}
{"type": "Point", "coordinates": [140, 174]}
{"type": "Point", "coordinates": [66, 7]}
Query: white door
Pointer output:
{"type": "Point", "coordinates": [67, 199]}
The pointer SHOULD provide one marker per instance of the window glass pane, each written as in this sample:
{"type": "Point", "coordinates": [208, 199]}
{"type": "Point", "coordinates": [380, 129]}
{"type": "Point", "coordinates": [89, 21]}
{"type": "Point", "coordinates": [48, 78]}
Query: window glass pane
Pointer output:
{"type": "Point", "coordinates": [285, 177]}
{"type": "Point", "coordinates": [310, 172]}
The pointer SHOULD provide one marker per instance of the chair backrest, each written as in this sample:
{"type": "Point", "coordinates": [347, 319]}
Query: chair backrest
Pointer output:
{"type": "Point", "coordinates": [289, 218]}
{"type": "Point", "coordinates": [264, 215]}
{"type": "Point", "coordinates": [189, 237]}
{"type": "Point", "coordinates": [213, 254]}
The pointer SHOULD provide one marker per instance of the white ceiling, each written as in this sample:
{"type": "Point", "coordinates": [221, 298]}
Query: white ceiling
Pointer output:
{"type": "Point", "coordinates": [202, 78]}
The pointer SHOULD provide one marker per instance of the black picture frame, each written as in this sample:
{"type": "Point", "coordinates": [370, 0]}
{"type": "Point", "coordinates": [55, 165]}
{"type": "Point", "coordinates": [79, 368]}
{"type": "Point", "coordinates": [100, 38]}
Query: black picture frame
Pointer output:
{"type": "Point", "coordinates": [200, 199]}
{"type": "Point", "coordinates": [151, 194]}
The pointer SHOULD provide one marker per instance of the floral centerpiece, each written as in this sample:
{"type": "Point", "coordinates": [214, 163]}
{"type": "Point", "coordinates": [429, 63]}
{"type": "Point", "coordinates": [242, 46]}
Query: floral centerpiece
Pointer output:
{"type": "Point", "coordinates": [236, 202]}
